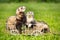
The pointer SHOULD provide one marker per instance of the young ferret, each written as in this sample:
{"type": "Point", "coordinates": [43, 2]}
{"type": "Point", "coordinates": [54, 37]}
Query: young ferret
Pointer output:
{"type": "Point", "coordinates": [30, 21]}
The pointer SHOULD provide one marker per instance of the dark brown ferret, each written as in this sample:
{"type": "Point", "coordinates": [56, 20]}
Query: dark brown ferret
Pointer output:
{"type": "Point", "coordinates": [20, 17]}
{"type": "Point", "coordinates": [16, 22]}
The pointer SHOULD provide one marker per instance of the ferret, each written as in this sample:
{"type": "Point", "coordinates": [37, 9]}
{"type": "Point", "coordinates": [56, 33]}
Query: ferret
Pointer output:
{"type": "Point", "coordinates": [11, 25]}
{"type": "Point", "coordinates": [30, 21]}
{"type": "Point", "coordinates": [20, 17]}
{"type": "Point", "coordinates": [40, 28]}
{"type": "Point", "coordinates": [16, 22]}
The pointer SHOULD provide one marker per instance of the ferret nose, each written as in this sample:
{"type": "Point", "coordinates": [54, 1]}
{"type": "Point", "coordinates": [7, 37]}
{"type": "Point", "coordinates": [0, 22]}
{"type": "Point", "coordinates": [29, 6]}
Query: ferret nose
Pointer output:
{"type": "Point", "coordinates": [22, 15]}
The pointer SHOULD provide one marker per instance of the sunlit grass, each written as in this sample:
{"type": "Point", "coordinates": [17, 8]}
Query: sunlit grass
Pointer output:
{"type": "Point", "coordinates": [48, 12]}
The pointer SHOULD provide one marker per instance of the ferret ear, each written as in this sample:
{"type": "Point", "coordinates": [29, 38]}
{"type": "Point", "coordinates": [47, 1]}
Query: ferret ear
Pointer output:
{"type": "Point", "coordinates": [32, 13]}
{"type": "Point", "coordinates": [23, 7]}
{"type": "Point", "coordinates": [18, 9]}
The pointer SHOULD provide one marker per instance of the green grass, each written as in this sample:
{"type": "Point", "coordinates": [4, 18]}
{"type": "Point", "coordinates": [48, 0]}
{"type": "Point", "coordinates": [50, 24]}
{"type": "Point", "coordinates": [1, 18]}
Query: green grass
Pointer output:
{"type": "Point", "coordinates": [48, 12]}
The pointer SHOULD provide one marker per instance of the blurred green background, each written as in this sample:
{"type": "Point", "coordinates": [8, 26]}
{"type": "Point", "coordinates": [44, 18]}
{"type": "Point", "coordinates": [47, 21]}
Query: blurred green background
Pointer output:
{"type": "Point", "coordinates": [44, 10]}
{"type": "Point", "coordinates": [56, 1]}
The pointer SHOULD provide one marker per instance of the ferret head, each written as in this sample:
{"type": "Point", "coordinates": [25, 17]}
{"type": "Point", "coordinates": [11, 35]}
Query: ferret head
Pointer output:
{"type": "Point", "coordinates": [45, 30]}
{"type": "Point", "coordinates": [30, 14]}
{"type": "Point", "coordinates": [42, 27]}
{"type": "Point", "coordinates": [20, 12]}
{"type": "Point", "coordinates": [21, 9]}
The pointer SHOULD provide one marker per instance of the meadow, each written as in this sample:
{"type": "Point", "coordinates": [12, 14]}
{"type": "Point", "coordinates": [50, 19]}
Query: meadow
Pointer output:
{"type": "Point", "coordinates": [47, 12]}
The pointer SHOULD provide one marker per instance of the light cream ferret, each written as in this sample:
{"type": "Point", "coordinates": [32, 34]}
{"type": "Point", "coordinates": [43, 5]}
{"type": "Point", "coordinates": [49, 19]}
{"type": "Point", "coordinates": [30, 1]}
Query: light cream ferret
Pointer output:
{"type": "Point", "coordinates": [30, 19]}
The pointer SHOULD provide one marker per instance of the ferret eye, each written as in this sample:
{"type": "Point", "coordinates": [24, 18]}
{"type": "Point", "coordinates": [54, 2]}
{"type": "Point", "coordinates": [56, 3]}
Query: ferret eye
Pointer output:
{"type": "Point", "coordinates": [21, 8]}
{"type": "Point", "coordinates": [44, 30]}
